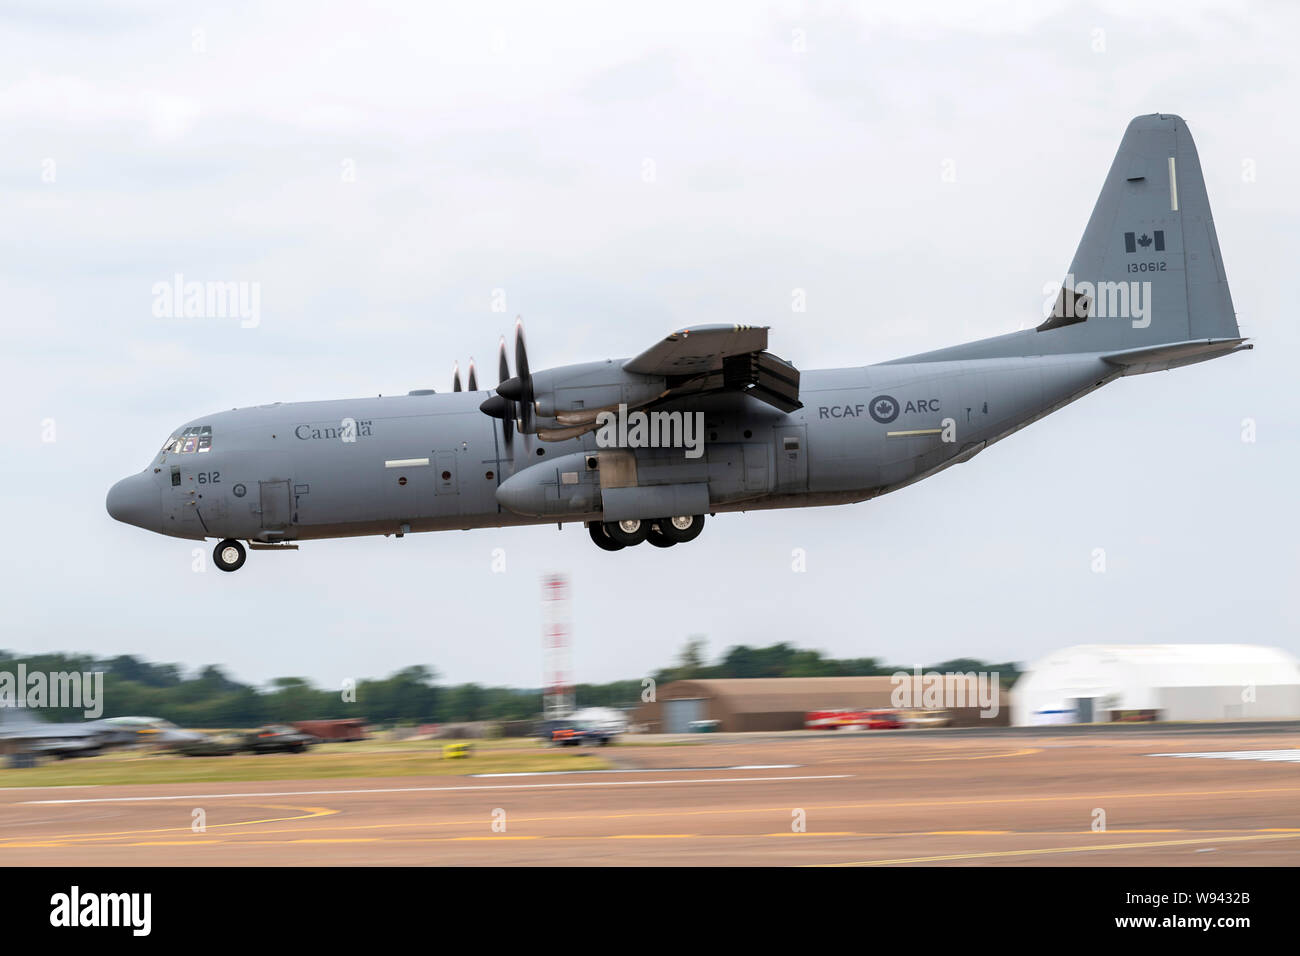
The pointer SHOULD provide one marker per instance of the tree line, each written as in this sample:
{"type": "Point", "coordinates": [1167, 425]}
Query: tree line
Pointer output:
{"type": "Point", "coordinates": [210, 698]}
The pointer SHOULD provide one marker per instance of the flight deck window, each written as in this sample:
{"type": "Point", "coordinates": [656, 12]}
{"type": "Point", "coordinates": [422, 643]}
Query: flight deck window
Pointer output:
{"type": "Point", "coordinates": [195, 439]}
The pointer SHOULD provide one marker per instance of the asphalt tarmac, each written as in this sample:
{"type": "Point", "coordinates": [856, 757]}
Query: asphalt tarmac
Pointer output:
{"type": "Point", "coordinates": [871, 798]}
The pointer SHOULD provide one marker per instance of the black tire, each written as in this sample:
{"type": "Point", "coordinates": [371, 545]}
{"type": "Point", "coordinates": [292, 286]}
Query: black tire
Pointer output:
{"type": "Point", "coordinates": [628, 533]}
{"type": "Point", "coordinates": [657, 537]}
{"type": "Point", "coordinates": [682, 528]}
{"type": "Point", "coordinates": [603, 541]}
{"type": "Point", "coordinates": [227, 563]}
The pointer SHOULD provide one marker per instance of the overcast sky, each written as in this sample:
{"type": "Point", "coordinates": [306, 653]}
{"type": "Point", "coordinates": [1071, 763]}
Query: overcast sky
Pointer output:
{"type": "Point", "coordinates": [380, 172]}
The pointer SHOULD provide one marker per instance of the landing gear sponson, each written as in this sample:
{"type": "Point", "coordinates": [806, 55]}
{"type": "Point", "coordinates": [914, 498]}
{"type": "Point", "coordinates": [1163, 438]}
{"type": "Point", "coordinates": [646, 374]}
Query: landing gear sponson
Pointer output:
{"type": "Point", "coordinates": [660, 532]}
{"type": "Point", "coordinates": [230, 555]}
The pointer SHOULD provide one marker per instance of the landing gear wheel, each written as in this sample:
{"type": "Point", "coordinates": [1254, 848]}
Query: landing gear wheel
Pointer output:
{"type": "Point", "coordinates": [629, 532]}
{"type": "Point", "coordinates": [603, 541]}
{"type": "Point", "coordinates": [682, 528]}
{"type": "Point", "coordinates": [657, 537]}
{"type": "Point", "coordinates": [229, 555]}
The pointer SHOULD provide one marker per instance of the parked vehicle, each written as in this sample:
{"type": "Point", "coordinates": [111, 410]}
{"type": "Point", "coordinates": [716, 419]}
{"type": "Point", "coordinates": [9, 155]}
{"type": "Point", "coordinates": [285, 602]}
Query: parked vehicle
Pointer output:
{"type": "Point", "coordinates": [863, 719]}
{"type": "Point", "coordinates": [278, 738]}
{"type": "Point", "coordinates": [213, 745]}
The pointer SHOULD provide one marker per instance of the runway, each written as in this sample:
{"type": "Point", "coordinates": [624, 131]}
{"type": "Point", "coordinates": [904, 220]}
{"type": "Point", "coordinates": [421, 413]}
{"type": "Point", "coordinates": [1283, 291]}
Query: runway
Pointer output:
{"type": "Point", "coordinates": [861, 799]}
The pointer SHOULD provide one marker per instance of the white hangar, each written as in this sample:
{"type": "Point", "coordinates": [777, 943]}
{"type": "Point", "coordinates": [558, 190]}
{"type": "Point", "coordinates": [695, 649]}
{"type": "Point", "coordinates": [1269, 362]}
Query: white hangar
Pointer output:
{"type": "Point", "coordinates": [1099, 683]}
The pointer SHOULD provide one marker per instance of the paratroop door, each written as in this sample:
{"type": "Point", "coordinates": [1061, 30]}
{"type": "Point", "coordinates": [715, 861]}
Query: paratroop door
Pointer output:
{"type": "Point", "coordinates": [277, 505]}
{"type": "Point", "coordinates": [791, 458]}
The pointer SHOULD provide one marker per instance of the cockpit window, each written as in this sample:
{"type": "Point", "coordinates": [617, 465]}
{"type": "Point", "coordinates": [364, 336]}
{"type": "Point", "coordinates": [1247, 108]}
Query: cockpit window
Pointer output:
{"type": "Point", "coordinates": [193, 440]}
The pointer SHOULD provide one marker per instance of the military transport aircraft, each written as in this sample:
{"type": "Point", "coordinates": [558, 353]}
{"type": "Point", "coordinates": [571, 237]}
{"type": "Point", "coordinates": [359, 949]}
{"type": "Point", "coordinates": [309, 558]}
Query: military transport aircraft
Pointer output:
{"type": "Point", "coordinates": [706, 420]}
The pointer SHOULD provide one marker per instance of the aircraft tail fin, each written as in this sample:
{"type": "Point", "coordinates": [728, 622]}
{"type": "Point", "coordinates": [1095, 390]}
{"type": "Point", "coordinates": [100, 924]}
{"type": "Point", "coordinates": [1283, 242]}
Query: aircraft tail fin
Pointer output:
{"type": "Point", "coordinates": [1148, 271]}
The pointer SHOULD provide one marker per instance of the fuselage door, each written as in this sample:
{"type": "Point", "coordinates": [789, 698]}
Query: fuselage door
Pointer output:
{"type": "Point", "coordinates": [754, 455]}
{"type": "Point", "coordinates": [791, 458]}
{"type": "Point", "coordinates": [277, 504]}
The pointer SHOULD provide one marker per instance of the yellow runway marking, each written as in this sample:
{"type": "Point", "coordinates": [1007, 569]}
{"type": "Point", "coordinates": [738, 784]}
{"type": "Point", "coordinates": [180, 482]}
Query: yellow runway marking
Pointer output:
{"type": "Point", "coordinates": [1044, 851]}
{"type": "Point", "coordinates": [581, 838]}
{"type": "Point", "coordinates": [1013, 753]}
{"type": "Point", "coordinates": [649, 836]}
{"type": "Point", "coordinates": [887, 804]}
{"type": "Point", "coordinates": [499, 836]}
{"type": "Point", "coordinates": [64, 839]}
{"type": "Point", "coordinates": [879, 805]}
{"type": "Point", "coordinates": [232, 830]}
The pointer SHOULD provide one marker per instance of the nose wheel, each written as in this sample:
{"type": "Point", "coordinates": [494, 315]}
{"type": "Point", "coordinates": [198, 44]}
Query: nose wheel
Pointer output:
{"type": "Point", "coordinates": [229, 555]}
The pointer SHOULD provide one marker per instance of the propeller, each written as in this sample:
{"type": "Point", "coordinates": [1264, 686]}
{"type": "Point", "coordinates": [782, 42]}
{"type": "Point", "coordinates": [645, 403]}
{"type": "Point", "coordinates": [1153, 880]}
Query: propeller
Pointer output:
{"type": "Point", "coordinates": [500, 405]}
{"type": "Point", "coordinates": [518, 389]}
{"type": "Point", "coordinates": [503, 376]}
{"type": "Point", "coordinates": [526, 398]}
{"type": "Point", "coordinates": [514, 400]}
{"type": "Point", "coordinates": [471, 384]}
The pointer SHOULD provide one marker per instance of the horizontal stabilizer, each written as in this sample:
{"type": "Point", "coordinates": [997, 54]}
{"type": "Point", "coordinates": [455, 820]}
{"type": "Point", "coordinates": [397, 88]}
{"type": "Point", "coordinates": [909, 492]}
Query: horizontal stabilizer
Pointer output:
{"type": "Point", "coordinates": [1160, 358]}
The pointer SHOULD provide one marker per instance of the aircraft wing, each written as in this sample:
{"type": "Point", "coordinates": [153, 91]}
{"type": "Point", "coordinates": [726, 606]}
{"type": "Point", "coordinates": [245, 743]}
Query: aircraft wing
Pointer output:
{"type": "Point", "coordinates": [27, 734]}
{"type": "Point", "coordinates": [698, 350]}
{"type": "Point", "coordinates": [720, 358]}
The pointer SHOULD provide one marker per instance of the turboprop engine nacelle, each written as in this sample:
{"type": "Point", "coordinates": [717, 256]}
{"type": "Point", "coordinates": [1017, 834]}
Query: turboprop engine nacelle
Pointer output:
{"type": "Point", "coordinates": [575, 394]}
{"type": "Point", "coordinates": [568, 485]}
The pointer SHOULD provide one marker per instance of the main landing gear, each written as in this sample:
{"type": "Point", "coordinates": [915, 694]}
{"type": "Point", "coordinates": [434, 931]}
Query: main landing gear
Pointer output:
{"type": "Point", "coordinates": [229, 555]}
{"type": "Point", "coordinates": [660, 532]}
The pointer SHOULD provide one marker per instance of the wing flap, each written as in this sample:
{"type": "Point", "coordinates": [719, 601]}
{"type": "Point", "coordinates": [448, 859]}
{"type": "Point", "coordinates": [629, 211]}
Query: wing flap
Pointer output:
{"type": "Point", "coordinates": [689, 352]}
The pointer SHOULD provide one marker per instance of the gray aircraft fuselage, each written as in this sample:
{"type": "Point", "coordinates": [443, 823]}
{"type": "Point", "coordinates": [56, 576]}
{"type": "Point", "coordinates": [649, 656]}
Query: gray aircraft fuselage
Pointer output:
{"type": "Point", "coordinates": [1146, 291]}
{"type": "Point", "coordinates": [284, 471]}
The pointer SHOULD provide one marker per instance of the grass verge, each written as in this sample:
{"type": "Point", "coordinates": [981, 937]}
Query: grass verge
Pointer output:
{"type": "Point", "coordinates": [362, 759]}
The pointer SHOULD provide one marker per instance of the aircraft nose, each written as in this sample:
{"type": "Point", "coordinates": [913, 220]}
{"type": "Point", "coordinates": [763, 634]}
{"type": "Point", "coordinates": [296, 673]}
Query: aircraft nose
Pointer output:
{"type": "Point", "coordinates": [136, 500]}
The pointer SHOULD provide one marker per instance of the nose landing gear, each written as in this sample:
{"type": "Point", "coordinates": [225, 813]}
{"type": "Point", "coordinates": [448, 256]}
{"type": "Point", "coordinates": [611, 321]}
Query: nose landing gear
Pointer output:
{"type": "Point", "coordinates": [229, 555]}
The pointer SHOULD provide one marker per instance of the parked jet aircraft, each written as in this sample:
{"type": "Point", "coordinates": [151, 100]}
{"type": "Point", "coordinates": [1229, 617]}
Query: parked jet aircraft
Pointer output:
{"type": "Point", "coordinates": [726, 426]}
{"type": "Point", "coordinates": [23, 733]}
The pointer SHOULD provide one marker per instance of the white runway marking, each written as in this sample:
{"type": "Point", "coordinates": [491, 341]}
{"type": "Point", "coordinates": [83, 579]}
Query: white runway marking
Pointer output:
{"type": "Point", "coordinates": [496, 786]}
{"type": "Point", "coordinates": [1271, 756]}
{"type": "Point", "coordinates": [562, 773]}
